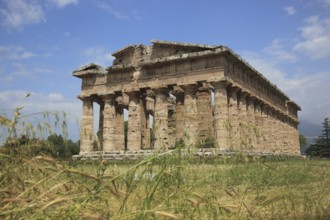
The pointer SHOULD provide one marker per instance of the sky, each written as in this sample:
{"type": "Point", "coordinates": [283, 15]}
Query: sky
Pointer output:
{"type": "Point", "coordinates": [43, 41]}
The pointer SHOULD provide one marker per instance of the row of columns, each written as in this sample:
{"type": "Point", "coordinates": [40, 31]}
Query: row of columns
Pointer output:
{"type": "Point", "coordinates": [237, 120]}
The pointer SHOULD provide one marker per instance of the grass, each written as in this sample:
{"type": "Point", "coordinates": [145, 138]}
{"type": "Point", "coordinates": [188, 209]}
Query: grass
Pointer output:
{"type": "Point", "coordinates": [164, 187]}
{"type": "Point", "coordinates": [160, 187]}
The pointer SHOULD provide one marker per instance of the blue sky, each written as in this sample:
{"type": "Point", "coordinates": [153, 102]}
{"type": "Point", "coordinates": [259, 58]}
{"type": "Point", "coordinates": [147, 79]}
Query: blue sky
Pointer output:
{"type": "Point", "coordinates": [43, 41]}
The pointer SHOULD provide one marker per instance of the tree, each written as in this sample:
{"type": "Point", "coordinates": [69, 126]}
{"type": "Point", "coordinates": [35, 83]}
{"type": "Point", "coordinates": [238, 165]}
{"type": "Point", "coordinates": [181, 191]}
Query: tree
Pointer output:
{"type": "Point", "coordinates": [324, 139]}
{"type": "Point", "coordinates": [302, 140]}
{"type": "Point", "coordinates": [321, 148]}
{"type": "Point", "coordinates": [303, 143]}
{"type": "Point", "coordinates": [62, 148]}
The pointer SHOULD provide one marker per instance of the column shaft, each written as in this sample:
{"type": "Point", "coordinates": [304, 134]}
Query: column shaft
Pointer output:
{"type": "Point", "coordinates": [160, 125]}
{"type": "Point", "coordinates": [120, 136]}
{"type": "Point", "coordinates": [87, 132]}
{"type": "Point", "coordinates": [205, 117]}
{"type": "Point", "coordinates": [258, 128]}
{"type": "Point", "coordinates": [221, 120]}
{"type": "Point", "coordinates": [134, 122]}
{"type": "Point", "coordinates": [265, 130]}
{"type": "Point", "coordinates": [179, 117]}
{"type": "Point", "coordinates": [233, 120]}
{"type": "Point", "coordinates": [101, 120]}
{"type": "Point", "coordinates": [109, 124]}
{"type": "Point", "coordinates": [145, 128]}
{"type": "Point", "coordinates": [190, 111]}
{"type": "Point", "coordinates": [243, 122]}
{"type": "Point", "coordinates": [251, 126]}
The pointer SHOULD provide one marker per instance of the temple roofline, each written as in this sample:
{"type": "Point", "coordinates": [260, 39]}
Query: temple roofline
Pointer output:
{"type": "Point", "coordinates": [172, 43]}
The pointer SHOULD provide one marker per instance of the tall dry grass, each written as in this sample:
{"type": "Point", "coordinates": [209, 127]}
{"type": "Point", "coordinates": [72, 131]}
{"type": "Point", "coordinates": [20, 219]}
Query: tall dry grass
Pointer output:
{"type": "Point", "coordinates": [164, 187]}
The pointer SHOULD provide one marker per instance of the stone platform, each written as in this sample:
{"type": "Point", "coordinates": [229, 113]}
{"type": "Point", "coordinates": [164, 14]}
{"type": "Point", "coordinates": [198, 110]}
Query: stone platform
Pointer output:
{"type": "Point", "coordinates": [118, 155]}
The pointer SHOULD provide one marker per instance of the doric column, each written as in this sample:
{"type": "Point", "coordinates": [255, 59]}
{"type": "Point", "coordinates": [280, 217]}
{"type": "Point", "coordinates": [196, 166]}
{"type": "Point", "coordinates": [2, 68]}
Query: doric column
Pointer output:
{"type": "Point", "coordinates": [120, 135]}
{"type": "Point", "coordinates": [160, 125]}
{"type": "Point", "coordinates": [271, 131]}
{"type": "Point", "coordinates": [134, 121]}
{"type": "Point", "coordinates": [190, 111]}
{"type": "Point", "coordinates": [233, 119]}
{"type": "Point", "coordinates": [179, 117]}
{"type": "Point", "coordinates": [286, 135]}
{"type": "Point", "coordinates": [101, 120]}
{"type": "Point", "coordinates": [277, 131]}
{"type": "Point", "coordinates": [221, 123]}
{"type": "Point", "coordinates": [205, 117]}
{"type": "Point", "coordinates": [266, 130]}
{"type": "Point", "coordinates": [251, 126]}
{"type": "Point", "coordinates": [258, 128]}
{"type": "Point", "coordinates": [109, 124]}
{"type": "Point", "coordinates": [243, 121]}
{"type": "Point", "coordinates": [296, 138]}
{"type": "Point", "coordinates": [290, 139]}
{"type": "Point", "coordinates": [87, 131]}
{"type": "Point", "coordinates": [282, 143]}
{"type": "Point", "coordinates": [145, 128]}
{"type": "Point", "coordinates": [171, 125]}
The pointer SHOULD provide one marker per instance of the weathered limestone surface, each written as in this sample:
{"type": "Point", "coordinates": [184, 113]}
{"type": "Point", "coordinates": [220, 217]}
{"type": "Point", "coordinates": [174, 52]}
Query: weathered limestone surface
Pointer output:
{"type": "Point", "coordinates": [86, 133]}
{"type": "Point", "coordinates": [195, 93]}
{"type": "Point", "coordinates": [109, 115]}
{"type": "Point", "coordinates": [134, 137]}
{"type": "Point", "coordinates": [251, 125]}
{"type": "Point", "coordinates": [221, 119]}
{"type": "Point", "coordinates": [243, 122]}
{"type": "Point", "coordinates": [179, 116]}
{"type": "Point", "coordinates": [233, 120]}
{"type": "Point", "coordinates": [120, 137]}
{"type": "Point", "coordinates": [161, 119]}
{"type": "Point", "coordinates": [190, 113]}
{"type": "Point", "coordinates": [205, 115]}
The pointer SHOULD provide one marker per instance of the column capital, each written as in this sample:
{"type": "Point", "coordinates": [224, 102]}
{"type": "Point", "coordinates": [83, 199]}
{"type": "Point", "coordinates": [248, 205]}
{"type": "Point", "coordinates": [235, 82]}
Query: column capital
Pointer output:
{"type": "Point", "coordinates": [85, 98]}
{"type": "Point", "coordinates": [233, 90]}
{"type": "Point", "coordinates": [160, 90]}
{"type": "Point", "coordinates": [107, 97]}
{"type": "Point", "coordinates": [189, 86]}
{"type": "Point", "coordinates": [220, 84]}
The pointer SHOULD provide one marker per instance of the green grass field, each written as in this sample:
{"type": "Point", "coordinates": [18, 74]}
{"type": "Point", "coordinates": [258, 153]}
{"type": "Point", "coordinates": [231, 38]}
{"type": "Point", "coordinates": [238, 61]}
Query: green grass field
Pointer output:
{"type": "Point", "coordinates": [165, 187]}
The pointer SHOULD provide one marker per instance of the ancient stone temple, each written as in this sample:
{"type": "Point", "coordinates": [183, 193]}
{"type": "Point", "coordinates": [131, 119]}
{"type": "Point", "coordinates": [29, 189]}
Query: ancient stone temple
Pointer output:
{"type": "Point", "coordinates": [199, 95]}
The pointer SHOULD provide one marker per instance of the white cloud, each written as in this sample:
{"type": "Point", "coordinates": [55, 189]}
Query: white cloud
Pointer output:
{"type": "Point", "coordinates": [20, 70]}
{"type": "Point", "coordinates": [308, 88]}
{"type": "Point", "coordinates": [13, 52]}
{"type": "Point", "coordinates": [315, 38]}
{"type": "Point", "coordinates": [98, 55]}
{"type": "Point", "coordinates": [290, 10]}
{"type": "Point", "coordinates": [63, 3]}
{"type": "Point", "coordinates": [267, 62]}
{"type": "Point", "coordinates": [325, 2]}
{"type": "Point", "coordinates": [18, 13]}
{"type": "Point", "coordinates": [37, 104]}
{"type": "Point", "coordinates": [55, 97]}
{"type": "Point", "coordinates": [278, 53]}
{"type": "Point", "coordinates": [108, 8]}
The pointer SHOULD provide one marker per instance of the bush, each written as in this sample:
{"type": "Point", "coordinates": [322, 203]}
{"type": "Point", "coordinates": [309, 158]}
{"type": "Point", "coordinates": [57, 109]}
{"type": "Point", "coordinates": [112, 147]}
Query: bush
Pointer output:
{"type": "Point", "coordinates": [318, 151]}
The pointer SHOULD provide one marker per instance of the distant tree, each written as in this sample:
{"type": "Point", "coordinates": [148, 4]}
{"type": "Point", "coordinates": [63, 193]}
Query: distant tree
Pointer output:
{"type": "Point", "coordinates": [321, 148]}
{"type": "Point", "coordinates": [324, 139]}
{"type": "Point", "coordinates": [302, 141]}
{"type": "Point", "coordinates": [62, 148]}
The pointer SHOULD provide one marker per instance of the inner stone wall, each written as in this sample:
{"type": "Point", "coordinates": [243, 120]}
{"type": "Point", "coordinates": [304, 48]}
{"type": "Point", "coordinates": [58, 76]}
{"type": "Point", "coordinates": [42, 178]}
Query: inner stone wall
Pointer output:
{"type": "Point", "coordinates": [173, 82]}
